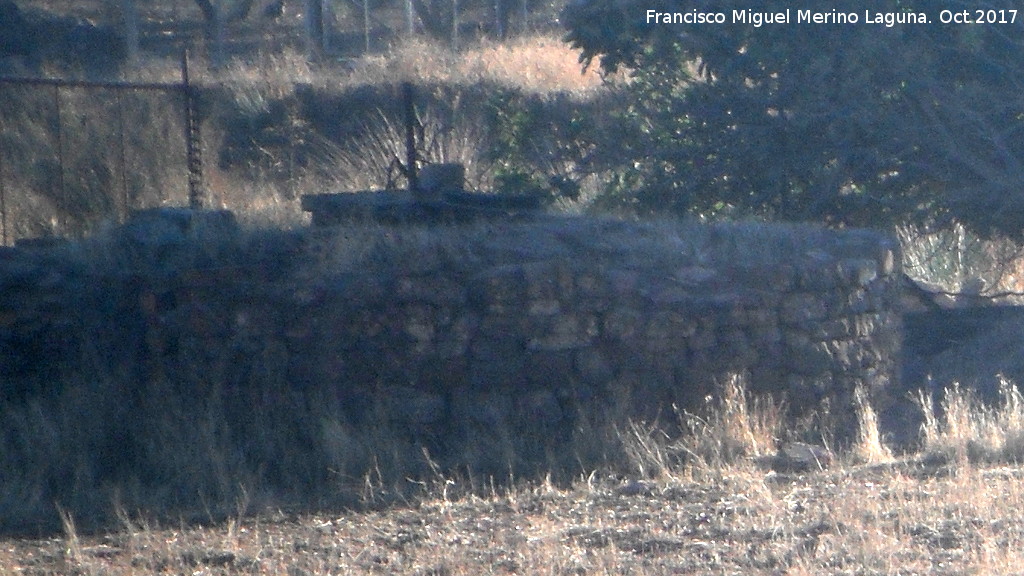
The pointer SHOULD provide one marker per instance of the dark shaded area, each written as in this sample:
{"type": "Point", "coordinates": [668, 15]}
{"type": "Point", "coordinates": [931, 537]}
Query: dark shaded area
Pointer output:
{"type": "Point", "coordinates": [973, 347]}
{"type": "Point", "coordinates": [930, 333]}
{"type": "Point", "coordinates": [16, 36]}
{"type": "Point", "coordinates": [95, 51]}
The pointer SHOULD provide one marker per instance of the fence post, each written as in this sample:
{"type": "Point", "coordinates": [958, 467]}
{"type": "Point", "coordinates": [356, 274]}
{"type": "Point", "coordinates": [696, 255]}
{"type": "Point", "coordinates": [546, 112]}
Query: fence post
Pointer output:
{"type": "Point", "coordinates": [366, 26]}
{"type": "Point", "coordinates": [193, 143]}
{"type": "Point", "coordinates": [455, 25]}
{"type": "Point", "coordinates": [3, 203]}
{"type": "Point", "coordinates": [410, 136]}
{"type": "Point", "coordinates": [125, 202]}
{"type": "Point", "coordinates": [62, 217]}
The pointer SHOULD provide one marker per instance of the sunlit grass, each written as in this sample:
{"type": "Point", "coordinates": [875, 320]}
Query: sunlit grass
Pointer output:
{"type": "Point", "coordinates": [852, 519]}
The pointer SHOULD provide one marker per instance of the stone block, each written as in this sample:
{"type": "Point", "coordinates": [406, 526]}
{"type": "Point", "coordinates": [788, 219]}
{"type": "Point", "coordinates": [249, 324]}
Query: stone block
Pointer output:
{"type": "Point", "coordinates": [857, 272]}
{"type": "Point", "coordinates": [591, 286]}
{"type": "Point", "coordinates": [804, 356]}
{"type": "Point", "coordinates": [802, 307]}
{"type": "Point", "coordinates": [493, 410]}
{"type": "Point", "coordinates": [777, 278]}
{"type": "Point", "coordinates": [624, 284]}
{"type": "Point", "coordinates": [592, 367]}
{"type": "Point", "coordinates": [549, 368]}
{"type": "Point", "coordinates": [816, 271]}
{"type": "Point", "coordinates": [547, 307]}
{"type": "Point", "coordinates": [538, 407]}
{"type": "Point", "coordinates": [704, 336]}
{"type": "Point", "coordinates": [622, 323]}
{"type": "Point", "coordinates": [738, 347]}
{"type": "Point", "coordinates": [500, 290]}
{"type": "Point", "coordinates": [420, 325]}
{"type": "Point", "coordinates": [696, 276]}
{"type": "Point", "coordinates": [672, 329]}
{"type": "Point", "coordinates": [452, 339]}
{"type": "Point", "coordinates": [548, 280]}
{"type": "Point", "coordinates": [566, 332]}
{"type": "Point", "coordinates": [497, 365]}
{"type": "Point", "coordinates": [412, 406]}
{"type": "Point", "coordinates": [441, 374]}
{"type": "Point", "coordinates": [855, 302]}
{"type": "Point", "coordinates": [431, 289]}
{"type": "Point", "coordinates": [512, 325]}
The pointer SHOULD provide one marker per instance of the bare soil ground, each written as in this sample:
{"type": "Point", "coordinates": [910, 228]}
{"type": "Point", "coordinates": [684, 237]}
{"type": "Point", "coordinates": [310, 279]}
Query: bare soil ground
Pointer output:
{"type": "Point", "coordinates": [881, 519]}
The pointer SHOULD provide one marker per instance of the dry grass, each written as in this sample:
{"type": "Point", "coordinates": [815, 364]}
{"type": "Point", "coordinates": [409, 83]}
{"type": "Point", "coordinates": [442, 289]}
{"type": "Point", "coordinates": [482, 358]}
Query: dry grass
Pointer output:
{"type": "Point", "coordinates": [535, 64]}
{"type": "Point", "coordinates": [538, 64]}
{"type": "Point", "coordinates": [969, 432]}
{"type": "Point", "coordinates": [737, 428]}
{"type": "Point", "coordinates": [369, 163]}
{"type": "Point", "coordinates": [914, 518]}
{"type": "Point", "coordinates": [869, 447]}
{"type": "Point", "coordinates": [276, 156]}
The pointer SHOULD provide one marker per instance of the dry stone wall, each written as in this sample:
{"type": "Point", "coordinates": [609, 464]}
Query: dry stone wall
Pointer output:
{"type": "Point", "coordinates": [493, 342]}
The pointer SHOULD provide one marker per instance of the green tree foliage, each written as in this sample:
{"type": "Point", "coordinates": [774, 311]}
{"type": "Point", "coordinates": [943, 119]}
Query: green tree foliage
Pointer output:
{"type": "Point", "coordinates": [842, 123]}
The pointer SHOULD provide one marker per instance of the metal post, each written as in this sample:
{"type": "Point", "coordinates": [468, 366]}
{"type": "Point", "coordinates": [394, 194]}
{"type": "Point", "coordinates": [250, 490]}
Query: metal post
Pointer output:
{"type": "Point", "coordinates": [125, 203]}
{"type": "Point", "coordinates": [410, 135]}
{"type": "Point", "coordinates": [366, 25]}
{"type": "Point", "coordinates": [192, 140]}
{"type": "Point", "coordinates": [455, 25]}
{"type": "Point", "coordinates": [60, 160]}
{"type": "Point", "coordinates": [3, 204]}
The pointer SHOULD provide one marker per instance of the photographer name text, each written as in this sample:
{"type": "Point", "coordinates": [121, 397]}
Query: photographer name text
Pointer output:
{"type": "Point", "coordinates": [789, 16]}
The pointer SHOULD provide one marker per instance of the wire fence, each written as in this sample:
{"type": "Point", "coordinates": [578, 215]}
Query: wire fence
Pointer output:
{"type": "Point", "coordinates": [74, 154]}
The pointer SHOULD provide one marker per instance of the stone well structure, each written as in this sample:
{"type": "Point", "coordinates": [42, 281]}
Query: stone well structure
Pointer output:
{"type": "Point", "coordinates": [484, 340]}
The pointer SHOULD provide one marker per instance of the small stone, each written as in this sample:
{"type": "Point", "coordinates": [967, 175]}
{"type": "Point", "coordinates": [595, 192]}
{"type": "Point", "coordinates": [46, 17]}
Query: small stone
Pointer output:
{"type": "Point", "coordinates": [802, 457]}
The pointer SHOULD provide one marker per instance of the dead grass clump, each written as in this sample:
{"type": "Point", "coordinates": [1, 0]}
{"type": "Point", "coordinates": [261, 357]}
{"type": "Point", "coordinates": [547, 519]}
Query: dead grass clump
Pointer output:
{"type": "Point", "coordinates": [735, 430]}
{"type": "Point", "coordinates": [869, 447]}
{"type": "Point", "coordinates": [969, 432]}
{"type": "Point", "coordinates": [459, 136]}
{"type": "Point", "coordinates": [535, 64]}
{"type": "Point", "coordinates": [737, 427]}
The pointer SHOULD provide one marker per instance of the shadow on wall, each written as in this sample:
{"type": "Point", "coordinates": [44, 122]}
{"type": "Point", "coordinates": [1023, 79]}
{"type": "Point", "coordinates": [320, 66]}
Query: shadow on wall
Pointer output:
{"type": "Point", "coordinates": [970, 346]}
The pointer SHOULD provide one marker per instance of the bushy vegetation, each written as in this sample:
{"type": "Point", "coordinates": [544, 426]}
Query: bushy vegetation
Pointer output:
{"type": "Point", "coordinates": [856, 124]}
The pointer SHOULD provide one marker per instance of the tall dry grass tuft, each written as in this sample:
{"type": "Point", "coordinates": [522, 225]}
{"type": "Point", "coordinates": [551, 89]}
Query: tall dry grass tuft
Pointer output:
{"type": "Point", "coordinates": [371, 162]}
{"type": "Point", "coordinates": [650, 452]}
{"type": "Point", "coordinates": [735, 431]}
{"type": "Point", "coordinates": [73, 545]}
{"type": "Point", "coordinates": [969, 432]}
{"type": "Point", "coordinates": [869, 447]}
{"type": "Point", "coordinates": [737, 427]}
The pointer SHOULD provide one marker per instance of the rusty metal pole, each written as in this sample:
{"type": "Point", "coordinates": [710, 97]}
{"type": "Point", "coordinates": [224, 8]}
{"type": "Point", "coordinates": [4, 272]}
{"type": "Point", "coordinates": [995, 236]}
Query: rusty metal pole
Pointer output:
{"type": "Point", "coordinates": [410, 136]}
{"type": "Point", "coordinates": [3, 203]}
{"type": "Point", "coordinates": [192, 139]}
{"type": "Point", "coordinates": [125, 202]}
{"type": "Point", "coordinates": [62, 218]}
